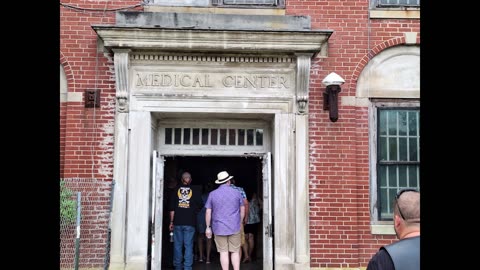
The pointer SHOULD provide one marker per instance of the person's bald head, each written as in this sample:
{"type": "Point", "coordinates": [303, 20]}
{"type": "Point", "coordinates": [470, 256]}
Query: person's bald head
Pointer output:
{"type": "Point", "coordinates": [407, 206]}
{"type": "Point", "coordinates": [186, 178]}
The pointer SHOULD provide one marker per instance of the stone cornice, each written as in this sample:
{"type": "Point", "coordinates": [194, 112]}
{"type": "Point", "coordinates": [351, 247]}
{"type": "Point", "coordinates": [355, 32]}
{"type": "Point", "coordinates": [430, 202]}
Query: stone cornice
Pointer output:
{"type": "Point", "coordinates": [220, 41]}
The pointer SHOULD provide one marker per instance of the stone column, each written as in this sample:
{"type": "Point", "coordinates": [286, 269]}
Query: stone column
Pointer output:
{"type": "Point", "coordinates": [283, 190]}
{"type": "Point", "coordinates": [120, 166]}
{"type": "Point", "coordinates": [138, 185]}
{"type": "Point", "coordinates": [302, 239]}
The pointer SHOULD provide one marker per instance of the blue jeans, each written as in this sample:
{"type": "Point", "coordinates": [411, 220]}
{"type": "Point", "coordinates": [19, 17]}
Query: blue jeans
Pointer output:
{"type": "Point", "coordinates": [183, 237]}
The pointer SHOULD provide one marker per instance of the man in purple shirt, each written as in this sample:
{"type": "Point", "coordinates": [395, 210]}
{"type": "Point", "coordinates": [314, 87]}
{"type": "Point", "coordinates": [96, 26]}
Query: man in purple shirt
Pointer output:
{"type": "Point", "coordinates": [225, 211]}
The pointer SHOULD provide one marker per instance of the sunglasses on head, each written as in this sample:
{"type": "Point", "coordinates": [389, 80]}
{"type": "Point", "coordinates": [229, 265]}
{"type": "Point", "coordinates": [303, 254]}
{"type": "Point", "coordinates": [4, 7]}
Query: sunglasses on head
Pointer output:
{"type": "Point", "coordinates": [398, 196]}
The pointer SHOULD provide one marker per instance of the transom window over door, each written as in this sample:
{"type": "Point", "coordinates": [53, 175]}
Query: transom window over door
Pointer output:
{"type": "Point", "coordinates": [244, 136]}
{"type": "Point", "coordinates": [398, 154]}
{"type": "Point", "coordinates": [213, 136]}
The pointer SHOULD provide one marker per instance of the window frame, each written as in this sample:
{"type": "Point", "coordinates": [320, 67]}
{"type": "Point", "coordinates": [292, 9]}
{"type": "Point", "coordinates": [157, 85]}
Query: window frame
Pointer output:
{"type": "Point", "coordinates": [221, 3]}
{"type": "Point", "coordinates": [208, 148]}
{"type": "Point", "coordinates": [279, 4]}
{"type": "Point", "coordinates": [375, 105]}
{"type": "Point", "coordinates": [375, 4]}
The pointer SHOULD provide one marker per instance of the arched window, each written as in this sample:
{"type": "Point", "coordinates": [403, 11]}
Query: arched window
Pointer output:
{"type": "Point", "coordinates": [391, 84]}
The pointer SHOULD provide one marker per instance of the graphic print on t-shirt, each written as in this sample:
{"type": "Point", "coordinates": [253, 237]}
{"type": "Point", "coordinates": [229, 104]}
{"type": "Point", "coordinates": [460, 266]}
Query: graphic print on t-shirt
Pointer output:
{"type": "Point", "coordinates": [184, 195]}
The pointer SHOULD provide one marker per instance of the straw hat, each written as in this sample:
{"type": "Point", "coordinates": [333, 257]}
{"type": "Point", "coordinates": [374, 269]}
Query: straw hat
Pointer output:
{"type": "Point", "coordinates": [223, 177]}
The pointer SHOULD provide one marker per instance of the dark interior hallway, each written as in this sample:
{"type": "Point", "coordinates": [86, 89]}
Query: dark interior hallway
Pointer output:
{"type": "Point", "coordinates": [248, 174]}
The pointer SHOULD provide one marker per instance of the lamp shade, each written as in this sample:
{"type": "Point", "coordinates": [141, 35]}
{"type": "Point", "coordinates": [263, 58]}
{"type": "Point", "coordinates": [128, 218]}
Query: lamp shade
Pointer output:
{"type": "Point", "coordinates": [333, 79]}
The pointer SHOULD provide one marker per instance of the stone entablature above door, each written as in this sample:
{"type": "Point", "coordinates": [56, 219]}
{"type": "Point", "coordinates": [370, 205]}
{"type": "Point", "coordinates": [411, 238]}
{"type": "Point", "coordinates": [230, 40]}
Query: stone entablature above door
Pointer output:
{"type": "Point", "coordinates": [204, 76]}
{"type": "Point", "coordinates": [138, 38]}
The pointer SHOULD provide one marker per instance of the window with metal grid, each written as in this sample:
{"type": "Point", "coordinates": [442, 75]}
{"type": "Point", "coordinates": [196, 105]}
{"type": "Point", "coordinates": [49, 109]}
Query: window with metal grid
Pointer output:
{"type": "Point", "coordinates": [269, 3]}
{"type": "Point", "coordinates": [398, 3]}
{"type": "Point", "coordinates": [249, 2]}
{"type": "Point", "coordinates": [398, 155]}
{"type": "Point", "coordinates": [220, 3]}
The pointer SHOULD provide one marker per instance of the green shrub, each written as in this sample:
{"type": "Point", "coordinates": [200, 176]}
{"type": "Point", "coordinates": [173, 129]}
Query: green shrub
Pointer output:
{"type": "Point", "coordinates": [68, 204]}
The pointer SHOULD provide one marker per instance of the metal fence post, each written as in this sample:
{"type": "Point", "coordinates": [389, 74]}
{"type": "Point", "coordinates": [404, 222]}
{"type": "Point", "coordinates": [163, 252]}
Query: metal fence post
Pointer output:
{"type": "Point", "coordinates": [77, 240]}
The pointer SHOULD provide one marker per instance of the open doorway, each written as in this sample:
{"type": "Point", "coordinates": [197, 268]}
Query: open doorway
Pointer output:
{"type": "Point", "coordinates": [204, 169]}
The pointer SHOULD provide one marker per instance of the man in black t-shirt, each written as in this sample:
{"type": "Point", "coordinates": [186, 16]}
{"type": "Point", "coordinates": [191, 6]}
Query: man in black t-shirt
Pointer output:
{"type": "Point", "coordinates": [184, 206]}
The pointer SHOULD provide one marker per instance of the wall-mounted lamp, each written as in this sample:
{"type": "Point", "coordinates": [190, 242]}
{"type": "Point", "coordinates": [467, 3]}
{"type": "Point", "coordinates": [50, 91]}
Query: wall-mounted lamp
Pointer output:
{"type": "Point", "coordinates": [330, 96]}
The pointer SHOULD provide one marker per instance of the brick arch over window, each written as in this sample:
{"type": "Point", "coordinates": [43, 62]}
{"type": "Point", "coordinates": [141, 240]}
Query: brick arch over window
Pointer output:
{"type": "Point", "coordinates": [68, 72]}
{"type": "Point", "coordinates": [397, 41]}
{"type": "Point", "coordinates": [391, 72]}
{"type": "Point", "coordinates": [66, 87]}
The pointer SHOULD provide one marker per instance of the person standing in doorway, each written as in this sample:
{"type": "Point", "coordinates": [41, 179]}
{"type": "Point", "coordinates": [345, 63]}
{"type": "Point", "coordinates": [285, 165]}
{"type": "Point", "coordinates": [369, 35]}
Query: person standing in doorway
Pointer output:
{"type": "Point", "coordinates": [251, 227]}
{"type": "Point", "coordinates": [201, 227]}
{"type": "Point", "coordinates": [244, 220]}
{"type": "Point", "coordinates": [405, 253]}
{"type": "Point", "coordinates": [167, 250]}
{"type": "Point", "coordinates": [184, 207]}
{"type": "Point", "coordinates": [224, 214]}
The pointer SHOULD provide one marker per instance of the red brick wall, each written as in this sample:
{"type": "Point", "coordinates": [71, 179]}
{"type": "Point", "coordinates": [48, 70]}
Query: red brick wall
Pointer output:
{"type": "Point", "coordinates": [339, 175]}
{"type": "Point", "coordinates": [86, 134]}
{"type": "Point", "coordinates": [87, 145]}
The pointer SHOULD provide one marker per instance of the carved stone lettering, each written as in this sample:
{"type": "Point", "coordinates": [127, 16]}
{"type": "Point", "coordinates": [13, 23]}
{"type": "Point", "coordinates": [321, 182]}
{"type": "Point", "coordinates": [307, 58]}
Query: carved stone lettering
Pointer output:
{"type": "Point", "coordinates": [145, 80]}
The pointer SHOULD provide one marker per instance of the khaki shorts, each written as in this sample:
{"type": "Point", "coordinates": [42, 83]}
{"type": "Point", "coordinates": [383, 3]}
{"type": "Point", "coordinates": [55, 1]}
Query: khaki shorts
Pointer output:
{"type": "Point", "coordinates": [229, 243]}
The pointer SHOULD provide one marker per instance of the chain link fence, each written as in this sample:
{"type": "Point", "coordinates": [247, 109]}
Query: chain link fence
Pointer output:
{"type": "Point", "coordinates": [95, 203]}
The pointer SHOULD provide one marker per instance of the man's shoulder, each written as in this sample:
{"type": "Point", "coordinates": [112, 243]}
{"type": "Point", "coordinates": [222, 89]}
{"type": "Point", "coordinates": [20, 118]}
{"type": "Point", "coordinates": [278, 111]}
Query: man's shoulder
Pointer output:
{"type": "Point", "coordinates": [236, 187]}
{"type": "Point", "coordinates": [380, 260]}
{"type": "Point", "coordinates": [214, 193]}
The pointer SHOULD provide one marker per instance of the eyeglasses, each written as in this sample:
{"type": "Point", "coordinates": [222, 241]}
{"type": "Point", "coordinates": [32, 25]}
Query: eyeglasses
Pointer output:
{"type": "Point", "coordinates": [398, 196]}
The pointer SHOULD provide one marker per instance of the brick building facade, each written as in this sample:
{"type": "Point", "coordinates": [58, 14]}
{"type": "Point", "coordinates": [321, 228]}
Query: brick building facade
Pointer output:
{"type": "Point", "coordinates": [249, 72]}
